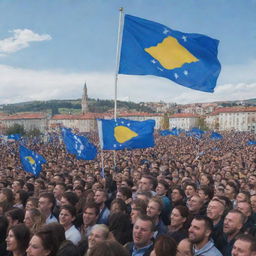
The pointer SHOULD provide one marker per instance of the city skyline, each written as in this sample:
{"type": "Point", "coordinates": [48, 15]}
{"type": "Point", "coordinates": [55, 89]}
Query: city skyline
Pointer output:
{"type": "Point", "coordinates": [48, 50]}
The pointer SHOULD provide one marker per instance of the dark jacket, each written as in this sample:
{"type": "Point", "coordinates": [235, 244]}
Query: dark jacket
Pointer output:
{"type": "Point", "coordinates": [67, 248]}
{"type": "Point", "coordinates": [129, 247]}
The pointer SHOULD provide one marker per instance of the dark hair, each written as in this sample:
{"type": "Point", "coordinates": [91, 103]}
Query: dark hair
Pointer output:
{"type": "Point", "coordinates": [16, 214]}
{"type": "Point", "coordinates": [23, 196]}
{"type": "Point", "coordinates": [93, 205]}
{"type": "Point", "coordinates": [108, 248]}
{"type": "Point", "coordinates": [144, 217]}
{"type": "Point", "coordinates": [9, 194]}
{"type": "Point", "coordinates": [121, 204]}
{"type": "Point", "coordinates": [3, 228]}
{"type": "Point", "coordinates": [165, 246]}
{"type": "Point", "coordinates": [250, 239]}
{"type": "Point", "coordinates": [120, 226]}
{"type": "Point", "coordinates": [140, 204]}
{"type": "Point", "coordinates": [70, 208]}
{"type": "Point", "coordinates": [71, 197]}
{"type": "Point", "coordinates": [234, 186]}
{"type": "Point", "coordinates": [22, 235]}
{"type": "Point", "coordinates": [41, 182]}
{"type": "Point", "coordinates": [50, 197]}
{"type": "Point", "coordinates": [207, 221]}
{"type": "Point", "coordinates": [127, 192]}
{"type": "Point", "coordinates": [208, 190]}
{"type": "Point", "coordinates": [181, 191]}
{"type": "Point", "coordinates": [34, 201]}
{"type": "Point", "coordinates": [191, 184]}
{"type": "Point", "coordinates": [164, 183]}
{"type": "Point", "coordinates": [49, 240]}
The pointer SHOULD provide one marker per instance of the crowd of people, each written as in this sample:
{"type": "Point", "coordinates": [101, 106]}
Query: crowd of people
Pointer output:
{"type": "Point", "coordinates": [185, 196]}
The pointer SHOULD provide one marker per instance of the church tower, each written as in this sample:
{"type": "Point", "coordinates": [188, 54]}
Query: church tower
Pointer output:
{"type": "Point", "coordinates": [84, 102]}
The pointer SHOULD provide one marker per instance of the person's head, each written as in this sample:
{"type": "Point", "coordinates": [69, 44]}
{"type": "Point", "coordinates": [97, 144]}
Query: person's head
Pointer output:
{"type": "Point", "coordinates": [118, 205]}
{"type": "Point", "coordinates": [43, 243]}
{"type": "Point", "coordinates": [99, 233]}
{"type": "Point", "coordinates": [206, 193]}
{"type": "Point", "coordinates": [243, 196]}
{"type": "Point", "coordinates": [215, 210]}
{"type": "Point", "coordinates": [245, 208]}
{"type": "Point", "coordinates": [69, 197]}
{"type": "Point", "coordinates": [143, 231]}
{"type": "Point", "coordinates": [164, 246]}
{"type": "Point", "coordinates": [21, 197]}
{"type": "Point", "coordinates": [177, 194]}
{"type": "Point", "coordinates": [206, 179]}
{"type": "Point", "coordinates": [185, 248]}
{"type": "Point", "coordinates": [32, 202]}
{"type": "Point", "coordinates": [231, 190]}
{"type": "Point", "coordinates": [16, 186]}
{"type": "Point", "coordinates": [46, 202]}
{"type": "Point", "coordinates": [190, 189]}
{"type": "Point", "coordinates": [34, 219]}
{"type": "Point", "coordinates": [162, 188]}
{"type": "Point", "coordinates": [58, 190]}
{"type": "Point", "coordinates": [200, 230]}
{"type": "Point", "coordinates": [124, 193]}
{"type": "Point", "coordinates": [90, 214]}
{"type": "Point", "coordinates": [233, 222]}
{"type": "Point", "coordinates": [18, 238]}
{"type": "Point", "coordinates": [3, 228]}
{"type": "Point", "coordinates": [146, 183]}
{"type": "Point", "coordinates": [15, 216]}
{"type": "Point", "coordinates": [6, 194]}
{"type": "Point", "coordinates": [108, 248]}
{"type": "Point", "coordinates": [253, 202]}
{"type": "Point", "coordinates": [67, 215]}
{"type": "Point", "coordinates": [100, 196]}
{"type": "Point", "coordinates": [179, 216]}
{"type": "Point", "coordinates": [245, 245]}
{"type": "Point", "coordinates": [155, 207]}
{"type": "Point", "coordinates": [195, 204]}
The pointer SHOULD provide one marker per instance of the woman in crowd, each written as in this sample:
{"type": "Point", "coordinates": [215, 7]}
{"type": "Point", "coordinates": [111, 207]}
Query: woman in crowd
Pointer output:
{"type": "Point", "coordinates": [17, 240]}
{"type": "Point", "coordinates": [108, 248]}
{"type": "Point", "coordinates": [99, 233]}
{"type": "Point", "coordinates": [164, 246]}
{"type": "Point", "coordinates": [43, 243]}
{"type": "Point", "coordinates": [66, 218]}
{"type": "Point", "coordinates": [179, 223]}
{"type": "Point", "coordinates": [34, 220]}
{"type": "Point", "coordinates": [6, 199]}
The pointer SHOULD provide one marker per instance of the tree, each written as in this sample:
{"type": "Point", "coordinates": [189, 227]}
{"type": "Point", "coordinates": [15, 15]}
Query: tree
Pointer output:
{"type": "Point", "coordinates": [16, 129]}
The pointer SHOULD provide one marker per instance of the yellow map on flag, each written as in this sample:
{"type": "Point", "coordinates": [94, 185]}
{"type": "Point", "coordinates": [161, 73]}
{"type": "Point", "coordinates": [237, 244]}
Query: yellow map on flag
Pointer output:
{"type": "Point", "coordinates": [123, 134]}
{"type": "Point", "coordinates": [171, 54]}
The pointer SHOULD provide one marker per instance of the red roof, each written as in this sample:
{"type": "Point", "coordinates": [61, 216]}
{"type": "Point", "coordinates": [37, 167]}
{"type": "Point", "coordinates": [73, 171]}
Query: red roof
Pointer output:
{"type": "Point", "coordinates": [81, 117]}
{"type": "Point", "coordinates": [25, 116]}
{"type": "Point", "coordinates": [184, 115]}
{"type": "Point", "coordinates": [234, 110]}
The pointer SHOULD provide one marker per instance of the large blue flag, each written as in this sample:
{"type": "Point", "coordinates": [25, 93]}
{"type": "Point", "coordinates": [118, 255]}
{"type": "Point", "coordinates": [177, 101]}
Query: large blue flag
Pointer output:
{"type": "Point", "coordinates": [14, 136]}
{"type": "Point", "coordinates": [150, 48]}
{"type": "Point", "coordinates": [216, 136]}
{"type": "Point", "coordinates": [78, 145]}
{"type": "Point", "coordinates": [251, 142]}
{"type": "Point", "coordinates": [31, 161]}
{"type": "Point", "coordinates": [122, 133]}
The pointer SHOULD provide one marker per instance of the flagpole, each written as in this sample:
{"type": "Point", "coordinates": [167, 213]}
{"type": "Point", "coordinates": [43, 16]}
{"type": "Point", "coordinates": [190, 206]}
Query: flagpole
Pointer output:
{"type": "Point", "coordinates": [119, 38]}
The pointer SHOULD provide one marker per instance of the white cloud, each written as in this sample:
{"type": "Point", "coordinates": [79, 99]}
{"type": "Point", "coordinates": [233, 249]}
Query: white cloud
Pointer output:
{"type": "Point", "coordinates": [18, 85]}
{"type": "Point", "coordinates": [21, 39]}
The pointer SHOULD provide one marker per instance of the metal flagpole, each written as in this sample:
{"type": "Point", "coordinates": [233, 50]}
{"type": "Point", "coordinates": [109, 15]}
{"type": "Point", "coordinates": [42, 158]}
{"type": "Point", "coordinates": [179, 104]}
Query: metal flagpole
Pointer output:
{"type": "Point", "coordinates": [119, 39]}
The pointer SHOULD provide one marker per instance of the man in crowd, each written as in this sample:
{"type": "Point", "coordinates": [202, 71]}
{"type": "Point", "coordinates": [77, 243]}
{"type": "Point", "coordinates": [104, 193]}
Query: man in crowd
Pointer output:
{"type": "Point", "coordinates": [199, 234]}
{"type": "Point", "coordinates": [142, 243]}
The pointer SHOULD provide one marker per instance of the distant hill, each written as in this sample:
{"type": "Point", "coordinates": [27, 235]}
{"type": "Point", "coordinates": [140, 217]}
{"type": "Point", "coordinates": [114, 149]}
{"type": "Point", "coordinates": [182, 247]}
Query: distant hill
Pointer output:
{"type": "Point", "coordinates": [72, 106]}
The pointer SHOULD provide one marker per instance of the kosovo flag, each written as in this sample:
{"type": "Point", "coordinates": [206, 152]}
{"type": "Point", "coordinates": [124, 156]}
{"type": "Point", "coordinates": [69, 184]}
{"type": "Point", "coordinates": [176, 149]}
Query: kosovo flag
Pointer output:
{"type": "Point", "coordinates": [216, 136]}
{"type": "Point", "coordinates": [150, 48]}
{"type": "Point", "coordinates": [122, 133]}
{"type": "Point", "coordinates": [31, 161]}
{"type": "Point", "coordinates": [80, 146]}
{"type": "Point", "coordinates": [14, 136]}
{"type": "Point", "coordinates": [251, 142]}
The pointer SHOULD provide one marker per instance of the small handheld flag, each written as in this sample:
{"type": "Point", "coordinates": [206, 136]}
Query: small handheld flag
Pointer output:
{"type": "Point", "coordinates": [80, 146]}
{"type": "Point", "coordinates": [31, 161]}
{"type": "Point", "coordinates": [123, 133]}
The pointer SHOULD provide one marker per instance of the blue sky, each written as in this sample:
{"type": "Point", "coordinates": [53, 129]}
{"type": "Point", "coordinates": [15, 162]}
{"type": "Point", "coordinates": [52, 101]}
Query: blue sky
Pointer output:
{"type": "Point", "coordinates": [48, 49]}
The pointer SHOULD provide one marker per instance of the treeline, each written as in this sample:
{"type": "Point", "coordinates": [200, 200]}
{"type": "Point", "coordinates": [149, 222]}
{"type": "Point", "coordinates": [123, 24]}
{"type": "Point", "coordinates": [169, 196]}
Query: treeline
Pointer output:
{"type": "Point", "coordinates": [57, 106]}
